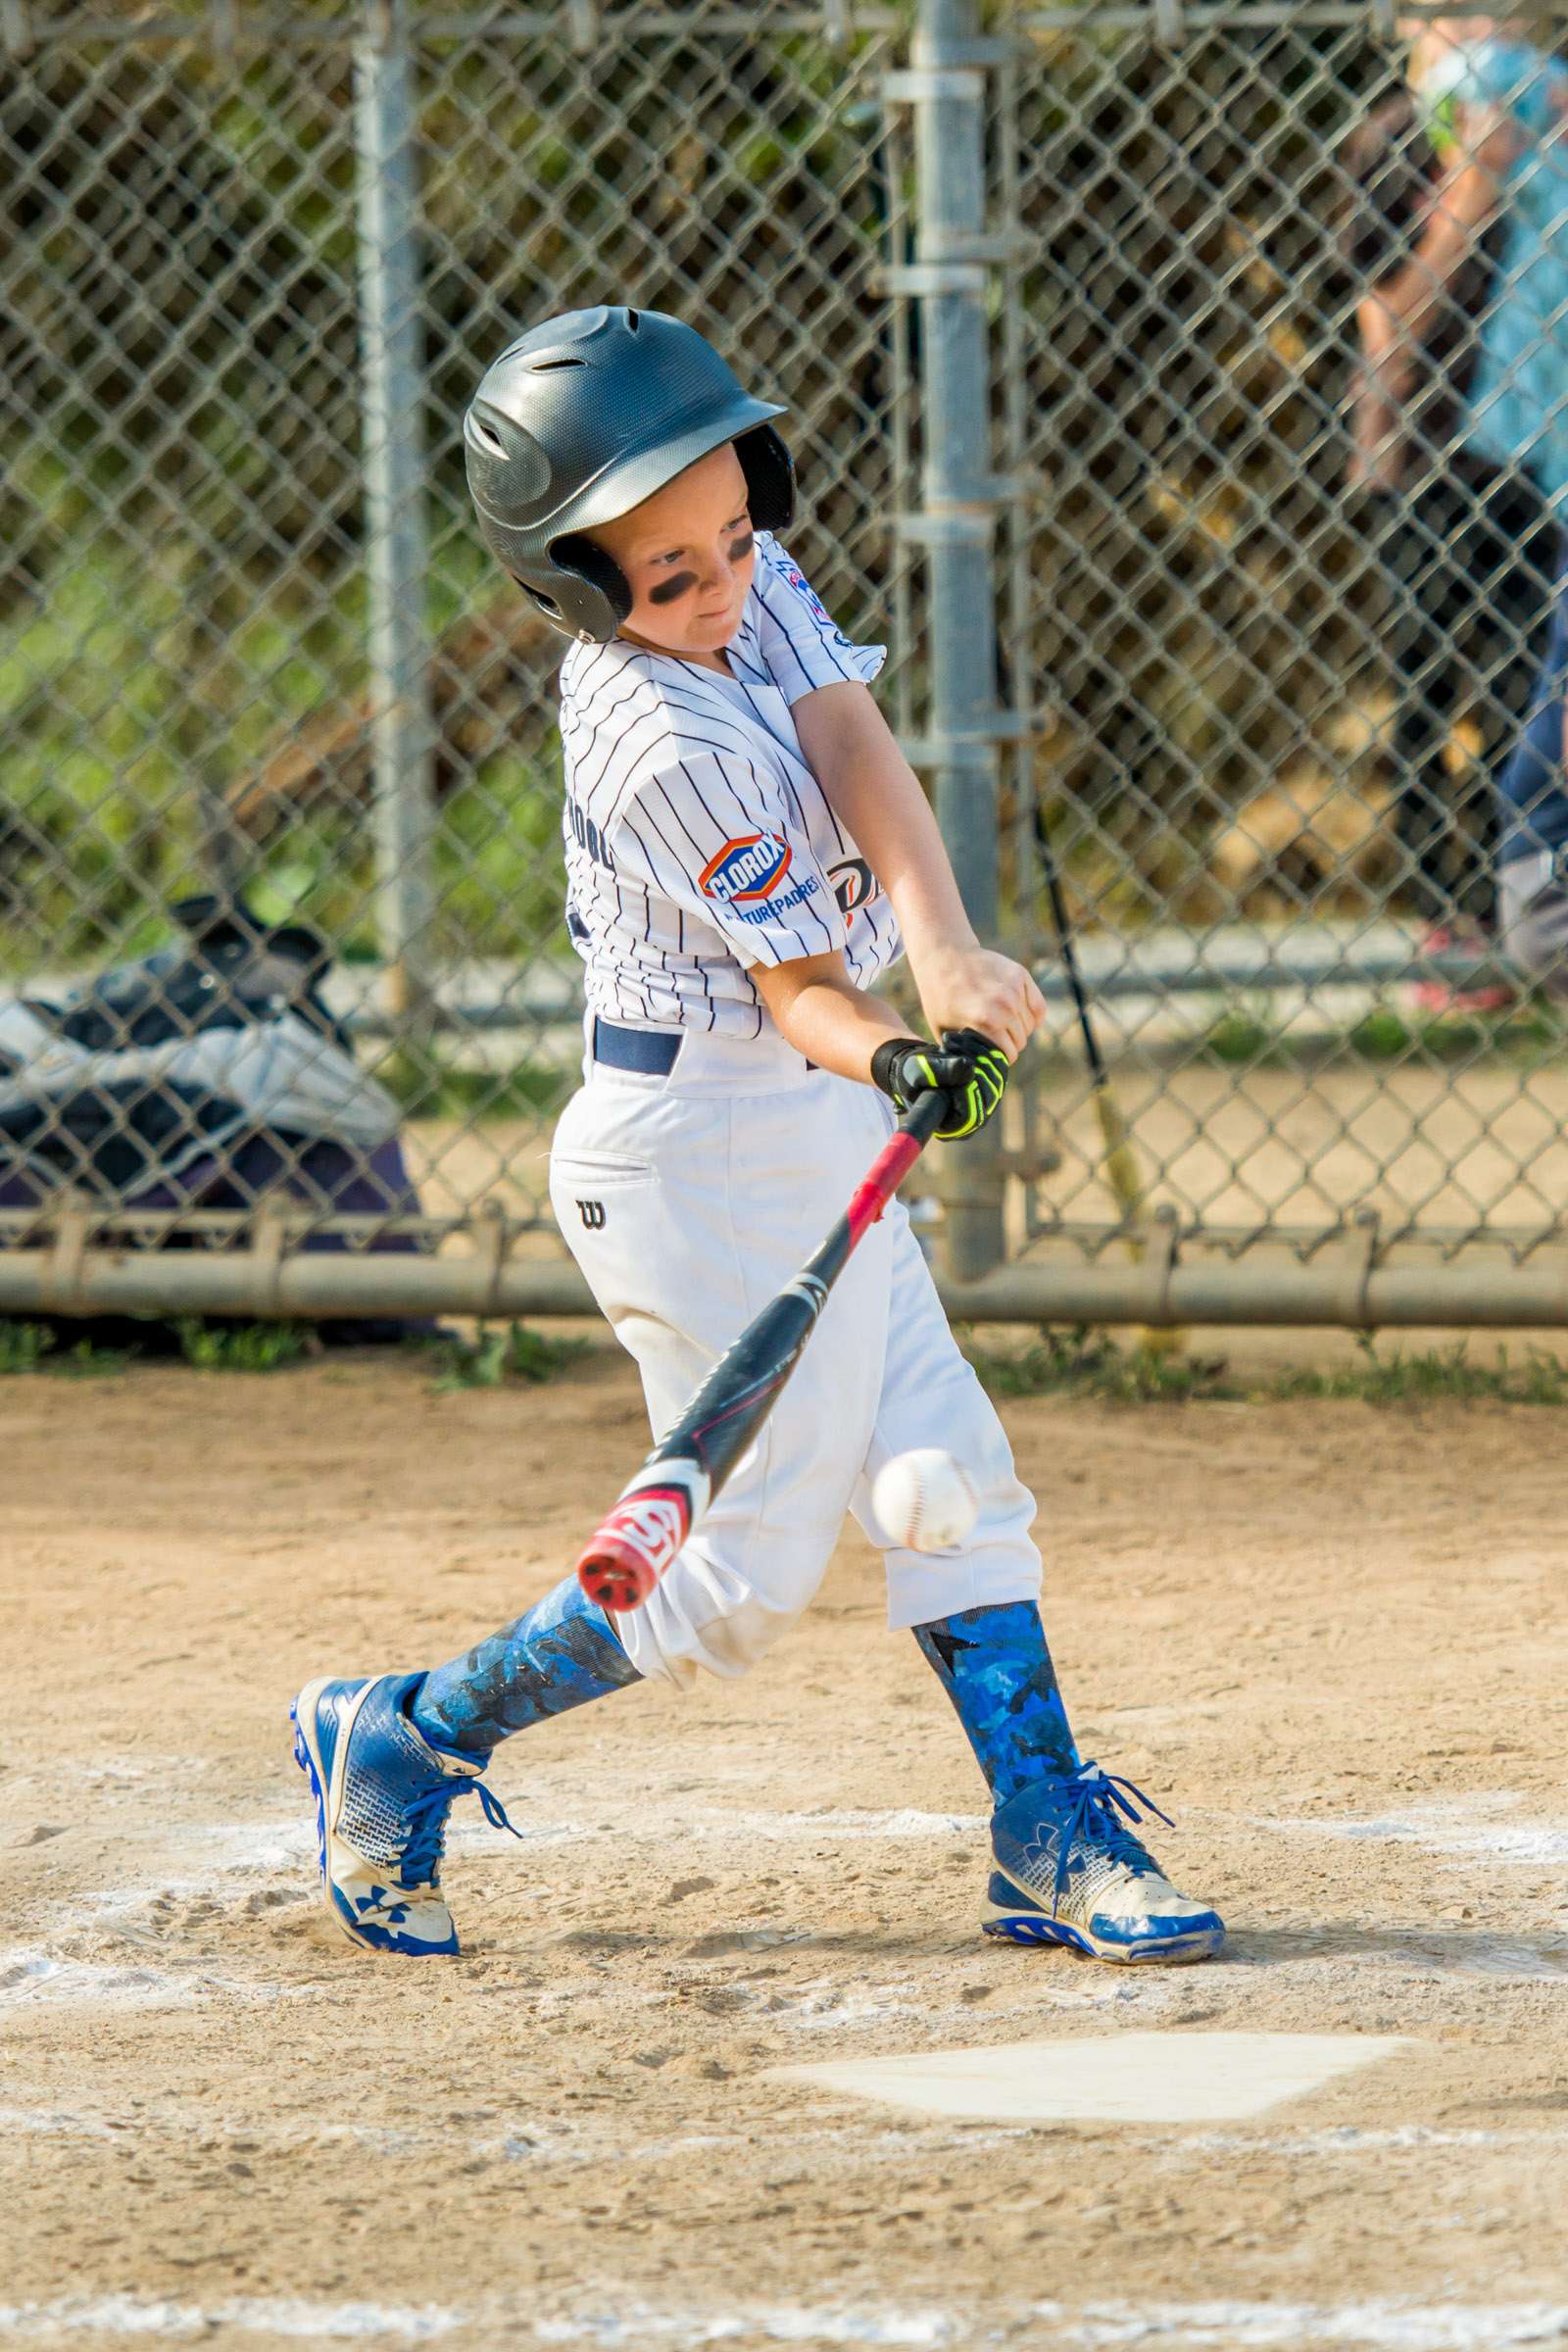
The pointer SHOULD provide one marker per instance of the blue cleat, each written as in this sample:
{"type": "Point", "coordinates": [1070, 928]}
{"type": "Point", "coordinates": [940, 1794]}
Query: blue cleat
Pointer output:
{"type": "Point", "coordinates": [1069, 1870]}
{"type": "Point", "coordinates": [382, 1797]}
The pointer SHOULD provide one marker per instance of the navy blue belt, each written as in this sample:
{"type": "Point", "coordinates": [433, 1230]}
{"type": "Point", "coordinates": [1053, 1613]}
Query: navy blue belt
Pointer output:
{"type": "Point", "coordinates": [652, 1052]}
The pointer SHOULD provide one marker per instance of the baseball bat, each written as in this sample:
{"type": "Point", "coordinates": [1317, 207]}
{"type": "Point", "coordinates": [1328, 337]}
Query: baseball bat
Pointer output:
{"type": "Point", "coordinates": [1120, 1161]}
{"type": "Point", "coordinates": [655, 1513]}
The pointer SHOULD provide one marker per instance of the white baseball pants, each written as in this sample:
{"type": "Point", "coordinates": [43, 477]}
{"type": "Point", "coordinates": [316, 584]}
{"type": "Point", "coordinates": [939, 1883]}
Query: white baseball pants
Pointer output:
{"type": "Point", "coordinates": [688, 1201]}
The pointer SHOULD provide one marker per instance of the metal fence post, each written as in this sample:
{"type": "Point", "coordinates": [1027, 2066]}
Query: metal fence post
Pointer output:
{"type": "Point", "coordinates": [392, 384]}
{"type": "Point", "coordinates": [948, 92]}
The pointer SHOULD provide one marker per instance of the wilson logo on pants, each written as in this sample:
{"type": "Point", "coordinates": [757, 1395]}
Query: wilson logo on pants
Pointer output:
{"type": "Point", "coordinates": [592, 1213]}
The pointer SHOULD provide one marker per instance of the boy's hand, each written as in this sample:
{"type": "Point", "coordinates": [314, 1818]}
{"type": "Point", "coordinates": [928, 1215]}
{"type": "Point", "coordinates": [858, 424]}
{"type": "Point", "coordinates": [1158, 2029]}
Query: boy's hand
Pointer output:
{"type": "Point", "coordinates": [966, 1068]}
{"type": "Point", "coordinates": [971, 988]}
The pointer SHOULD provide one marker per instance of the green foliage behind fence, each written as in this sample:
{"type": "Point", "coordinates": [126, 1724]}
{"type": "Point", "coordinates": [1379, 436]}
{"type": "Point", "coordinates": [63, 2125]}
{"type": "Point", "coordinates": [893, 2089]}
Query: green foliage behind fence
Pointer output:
{"type": "Point", "coordinates": [182, 592]}
{"type": "Point", "coordinates": [182, 588]}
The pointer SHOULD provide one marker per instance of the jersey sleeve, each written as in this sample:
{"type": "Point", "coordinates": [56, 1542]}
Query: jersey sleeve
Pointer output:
{"type": "Point", "coordinates": [720, 841]}
{"type": "Point", "coordinates": [800, 643]}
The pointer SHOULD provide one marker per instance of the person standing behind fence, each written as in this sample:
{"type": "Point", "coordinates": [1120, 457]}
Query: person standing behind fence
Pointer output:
{"type": "Point", "coordinates": [1533, 856]}
{"type": "Point", "coordinates": [1461, 432]}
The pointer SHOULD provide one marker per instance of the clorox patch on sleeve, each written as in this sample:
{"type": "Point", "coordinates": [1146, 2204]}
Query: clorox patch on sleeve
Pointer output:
{"type": "Point", "coordinates": [747, 868]}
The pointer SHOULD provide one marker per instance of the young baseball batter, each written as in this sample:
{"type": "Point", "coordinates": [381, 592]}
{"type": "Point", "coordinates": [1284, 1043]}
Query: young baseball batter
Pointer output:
{"type": "Point", "coordinates": [746, 853]}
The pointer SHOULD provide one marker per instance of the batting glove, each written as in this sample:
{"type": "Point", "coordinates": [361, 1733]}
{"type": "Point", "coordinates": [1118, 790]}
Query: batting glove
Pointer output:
{"type": "Point", "coordinates": [966, 1068]}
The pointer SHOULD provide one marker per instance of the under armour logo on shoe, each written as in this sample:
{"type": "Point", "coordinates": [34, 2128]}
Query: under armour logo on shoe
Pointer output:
{"type": "Point", "coordinates": [394, 1914]}
{"type": "Point", "coordinates": [592, 1213]}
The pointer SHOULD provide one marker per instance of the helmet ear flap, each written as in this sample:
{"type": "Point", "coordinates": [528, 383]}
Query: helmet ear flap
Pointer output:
{"type": "Point", "coordinates": [769, 472]}
{"type": "Point", "coordinates": [601, 572]}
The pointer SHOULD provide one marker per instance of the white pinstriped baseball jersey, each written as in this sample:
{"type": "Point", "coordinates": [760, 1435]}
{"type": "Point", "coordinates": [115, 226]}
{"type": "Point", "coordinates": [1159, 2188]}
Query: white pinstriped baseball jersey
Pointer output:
{"type": "Point", "coordinates": [698, 841]}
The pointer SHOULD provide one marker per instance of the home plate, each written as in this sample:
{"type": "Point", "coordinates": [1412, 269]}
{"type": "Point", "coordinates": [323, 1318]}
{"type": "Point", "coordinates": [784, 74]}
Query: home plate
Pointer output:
{"type": "Point", "coordinates": [1107, 2079]}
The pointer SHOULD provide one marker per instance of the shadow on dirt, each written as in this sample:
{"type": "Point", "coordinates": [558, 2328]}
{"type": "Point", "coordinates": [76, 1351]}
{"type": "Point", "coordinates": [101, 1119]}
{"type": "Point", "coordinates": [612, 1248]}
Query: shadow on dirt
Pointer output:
{"type": "Point", "coordinates": [1462, 1951]}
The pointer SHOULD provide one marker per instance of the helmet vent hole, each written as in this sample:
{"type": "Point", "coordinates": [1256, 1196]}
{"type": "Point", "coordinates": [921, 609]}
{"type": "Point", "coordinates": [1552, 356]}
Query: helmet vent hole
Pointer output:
{"type": "Point", "coordinates": [634, 322]}
{"type": "Point", "coordinates": [489, 436]}
{"type": "Point", "coordinates": [549, 367]}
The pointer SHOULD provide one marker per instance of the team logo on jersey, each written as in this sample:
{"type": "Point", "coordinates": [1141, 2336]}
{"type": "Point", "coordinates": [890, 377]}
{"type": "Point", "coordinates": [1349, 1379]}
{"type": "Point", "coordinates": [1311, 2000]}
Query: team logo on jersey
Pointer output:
{"type": "Point", "coordinates": [803, 589]}
{"type": "Point", "coordinates": [586, 834]}
{"type": "Point", "coordinates": [747, 869]}
{"type": "Point", "coordinates": [853, 883]}
{"type": "Point", "coordinates": [808, 597]}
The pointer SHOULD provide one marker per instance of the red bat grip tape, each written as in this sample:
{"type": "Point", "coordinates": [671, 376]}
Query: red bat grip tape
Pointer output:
{"type": "Point", "coordinates": [888, 1171]}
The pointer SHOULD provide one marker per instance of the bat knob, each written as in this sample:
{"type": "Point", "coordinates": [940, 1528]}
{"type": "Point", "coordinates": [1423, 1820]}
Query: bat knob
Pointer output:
{"type": "Point", "coordinates": [616, 1584]}
{"type": "Point", "coordinates": [636, 1543]}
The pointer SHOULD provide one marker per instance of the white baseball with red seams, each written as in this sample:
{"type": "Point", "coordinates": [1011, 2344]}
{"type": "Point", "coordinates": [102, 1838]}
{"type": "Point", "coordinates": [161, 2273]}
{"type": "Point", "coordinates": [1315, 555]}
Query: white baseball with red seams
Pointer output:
{"type": "Point", "coordinates": [925, 1500]}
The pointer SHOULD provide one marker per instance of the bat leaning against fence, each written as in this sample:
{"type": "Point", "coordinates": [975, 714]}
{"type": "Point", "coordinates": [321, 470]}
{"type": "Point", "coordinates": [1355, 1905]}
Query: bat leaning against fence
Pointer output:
{"type": "Point", "coordinates": [656, 1513]}
{"type": "Point", "coordinates": [1122, 1173]}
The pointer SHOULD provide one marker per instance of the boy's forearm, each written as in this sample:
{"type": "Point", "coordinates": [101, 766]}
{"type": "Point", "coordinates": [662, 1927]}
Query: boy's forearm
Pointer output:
{"type": "Point", "coordinates": [873, 787]}
{"type": "Point", "coordinates": [833, 1023]}
{"type": "Point", "coordinates": [870, 785]}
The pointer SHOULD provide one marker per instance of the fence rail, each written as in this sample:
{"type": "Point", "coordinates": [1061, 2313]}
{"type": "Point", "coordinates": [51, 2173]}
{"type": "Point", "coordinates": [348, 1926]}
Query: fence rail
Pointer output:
{"type": "Point", "coordinates": [229, 27]}
{"type": "Point", "coordinates": [1067, 304]}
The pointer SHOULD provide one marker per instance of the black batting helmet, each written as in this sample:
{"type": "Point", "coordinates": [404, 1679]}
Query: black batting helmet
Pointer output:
{"type": "Point", "coordinates": [582, 419]}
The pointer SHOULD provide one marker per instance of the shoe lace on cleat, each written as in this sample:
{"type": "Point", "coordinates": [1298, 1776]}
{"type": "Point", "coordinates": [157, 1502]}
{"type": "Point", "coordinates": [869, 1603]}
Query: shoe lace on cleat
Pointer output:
{"type": "Point", "coordinates": [425, 1817]}
{"type": "Point", "coordinates": [1103, 1805]}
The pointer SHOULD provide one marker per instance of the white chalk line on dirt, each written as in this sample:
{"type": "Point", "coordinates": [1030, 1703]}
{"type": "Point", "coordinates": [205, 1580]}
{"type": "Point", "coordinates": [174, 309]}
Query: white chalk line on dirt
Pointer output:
{"type": "Point", "coordinates": [34, 1976]}
{"type": "Point", "coordinates": [56, 2123]}
{"type": "Point", "coordinates": [677, 1827]}
{"type": "Point", "coordinates": [428, 2323]}
{"type": "Point", "coordinates": [280, 1845]}
{"type": "Point", "coordinates": [277, 1851]}
{"type": "Point", "coordinates": [1475, 1827]}
{"type": "Point", "coordinates": [536, 2140]}
{"type": "Point", "coordinates": [1351, 2139]}
{"type": "Point", "coordinates": [1373, 2325]}
{"type": "Point", "coordinates": [185, 2124]}
{"type": "Point", "coordinates": [205, 1859]}
{"type": "Point", "coordinates": [816, 2010]}
{"type": "Point", "coordinates": [270, 1853]}
{"type": "Point", "coordinates": [29, 1979]}
{"type": "Point", "coordinates": [1422, 1954]}
{"type": "Point", "coordinates": [904, 1823]}
{"type": "Point", "coordinates": [418, 2324]}
{"type": "Point", "coordinates": [775, 2325]}
{"type": "Point", "coordinates": [258, 2315]}
{"type": "Point", "coordinates": [1381, 2325]}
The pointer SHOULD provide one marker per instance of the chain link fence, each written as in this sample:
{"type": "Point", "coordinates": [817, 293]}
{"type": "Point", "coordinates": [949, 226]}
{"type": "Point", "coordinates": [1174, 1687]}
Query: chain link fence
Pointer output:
{"type": "Point", "coordinates": [1263, 703]}
{"type": "Point", "coordinates": [1066, 307]}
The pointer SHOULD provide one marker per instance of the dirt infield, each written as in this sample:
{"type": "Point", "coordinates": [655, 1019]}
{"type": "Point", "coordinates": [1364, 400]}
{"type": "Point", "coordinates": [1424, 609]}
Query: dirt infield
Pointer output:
{"type": "Point", "coordinates": [1333, 1640]}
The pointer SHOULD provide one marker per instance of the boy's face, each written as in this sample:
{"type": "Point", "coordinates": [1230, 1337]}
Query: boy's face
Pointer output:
{"type": "Point", "coordinates": [687, 554]}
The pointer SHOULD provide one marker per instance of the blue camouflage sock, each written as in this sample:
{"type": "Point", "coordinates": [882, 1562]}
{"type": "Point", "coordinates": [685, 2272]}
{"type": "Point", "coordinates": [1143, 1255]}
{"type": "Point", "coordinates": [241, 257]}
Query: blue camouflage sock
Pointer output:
{"type": "Point", "coordinates": [994, 1665]}
{"type": "Point", "coordinates": [557, 1655]}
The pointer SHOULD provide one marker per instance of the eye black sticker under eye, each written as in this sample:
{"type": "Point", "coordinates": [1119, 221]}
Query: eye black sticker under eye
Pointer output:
{"type": "Point", "coordinates": [667, 590]}
{"type": "Point", "coordinates": [741, 548]}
